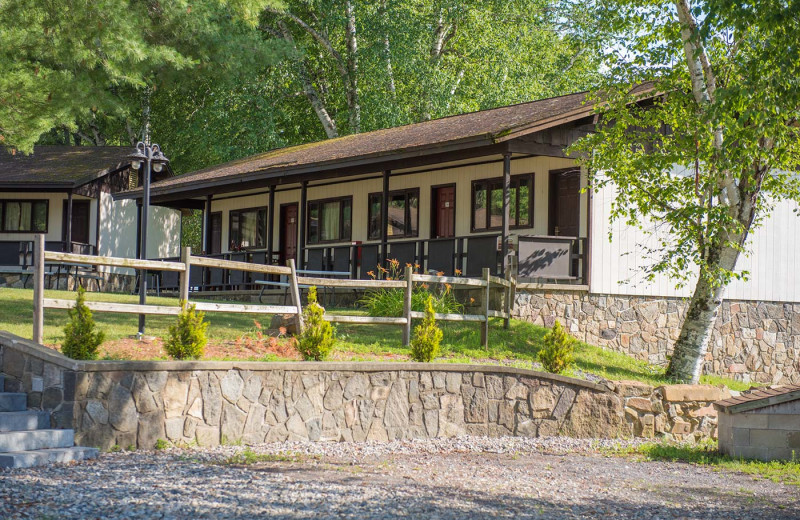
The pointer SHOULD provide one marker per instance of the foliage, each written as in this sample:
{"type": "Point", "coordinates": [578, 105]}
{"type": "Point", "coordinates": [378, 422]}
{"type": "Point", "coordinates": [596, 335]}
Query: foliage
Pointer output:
{"type": "Point", "coordinates": [427, 336]}
{"type": "Point", "coordinates": [187, 338]}
{"type": "Point", "coordinates": [315, 342]}
{"type": "Point", "coordinates": [81, 339]}
{"type": "Point", "coordinates": [390, 302]}
{"type": "Point", "coordinates": [86, 71]}
{"type": "Point", "coordinates": [558, 350]}
{"type": "Point", "coordinates": [702, 149]}
{"type": "Point", "coordinates": [161, 444]}
{"type": "Point", "coordinates": [706, 453]}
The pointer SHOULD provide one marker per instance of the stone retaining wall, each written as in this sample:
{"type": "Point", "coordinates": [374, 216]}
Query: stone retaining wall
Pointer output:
{"type": "Point", "coordinates": [136, 403]}
{"type": "Point", "coordinates": [752, 341]}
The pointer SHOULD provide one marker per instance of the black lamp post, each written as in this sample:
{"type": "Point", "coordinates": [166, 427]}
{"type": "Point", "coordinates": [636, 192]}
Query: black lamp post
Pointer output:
{"type": "Point", "coordinates": [149, 156]}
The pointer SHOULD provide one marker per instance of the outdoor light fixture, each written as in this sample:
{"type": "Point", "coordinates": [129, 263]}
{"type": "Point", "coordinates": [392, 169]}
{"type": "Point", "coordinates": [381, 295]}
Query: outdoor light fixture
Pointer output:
{"type": "Point", "coordinates": [149, 156]}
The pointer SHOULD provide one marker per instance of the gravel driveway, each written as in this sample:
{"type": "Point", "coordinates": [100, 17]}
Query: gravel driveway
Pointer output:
{"type": "Point", "coordinates": [455, 478]}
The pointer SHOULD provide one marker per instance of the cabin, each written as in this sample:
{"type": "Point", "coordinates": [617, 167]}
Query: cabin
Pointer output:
{"type": "Point", "coordinates": [490, 189]}
{"type": "Point", "coordinates": [66, 192]}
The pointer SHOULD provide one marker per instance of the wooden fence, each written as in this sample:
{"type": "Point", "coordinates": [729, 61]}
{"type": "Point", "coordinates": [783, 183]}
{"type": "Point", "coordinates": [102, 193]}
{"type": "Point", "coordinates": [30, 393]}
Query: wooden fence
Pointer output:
{"type": "Point", "coordinates": [486, 283]}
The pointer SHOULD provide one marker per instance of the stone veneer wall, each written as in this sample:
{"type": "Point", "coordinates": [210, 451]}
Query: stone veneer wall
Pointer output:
{"type": "Point", "coordinates": [136, 403]}
{"type": "Point", "coordinates": [752, 341]}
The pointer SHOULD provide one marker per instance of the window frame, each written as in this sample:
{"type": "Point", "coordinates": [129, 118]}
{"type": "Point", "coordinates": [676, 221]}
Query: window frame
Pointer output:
{"type": "Point", "coordinates": [379, 194]}
{"type": "Point", "coordinates": [319, 202]}
{"type": "Point", "coordinates": [245, 210]}
{"type": "Point", "coordinates": [4, 208]}
{"type": "Point", "coordinates": [528, 176]}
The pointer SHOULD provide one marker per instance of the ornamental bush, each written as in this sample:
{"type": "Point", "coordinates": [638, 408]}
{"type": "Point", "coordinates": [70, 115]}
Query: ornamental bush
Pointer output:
{"type": "Point", "coordinates": [427, 336]}
{"type": "Point", "coordinates": [187, 338]}
{"type": "Point", "coordinates": [315, 342]}
{"type": "Point", "coordinates": [558, 351]}
{"type": "Point", "coordinates": [82, 339]}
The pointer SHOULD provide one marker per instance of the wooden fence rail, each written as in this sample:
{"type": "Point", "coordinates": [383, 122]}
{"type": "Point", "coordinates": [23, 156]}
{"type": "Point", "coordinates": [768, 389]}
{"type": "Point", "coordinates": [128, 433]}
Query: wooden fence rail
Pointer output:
{"type": "Point", "coordinates": [486, 283]}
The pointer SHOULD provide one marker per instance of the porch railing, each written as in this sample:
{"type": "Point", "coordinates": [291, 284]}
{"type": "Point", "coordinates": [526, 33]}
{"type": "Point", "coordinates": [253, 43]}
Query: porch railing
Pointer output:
{"type": "Point", "coordinates": [558, 259]}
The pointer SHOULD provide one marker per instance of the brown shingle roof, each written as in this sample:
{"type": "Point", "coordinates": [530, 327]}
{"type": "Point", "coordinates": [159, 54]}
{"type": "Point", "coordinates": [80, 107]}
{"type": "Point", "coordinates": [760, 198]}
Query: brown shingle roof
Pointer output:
{"type": "Point", "coordinates": [60, 166]}
{"type": "Point", "coordinates": [487, 126]}
{"type": "Point", "coordinates": [759, 398]}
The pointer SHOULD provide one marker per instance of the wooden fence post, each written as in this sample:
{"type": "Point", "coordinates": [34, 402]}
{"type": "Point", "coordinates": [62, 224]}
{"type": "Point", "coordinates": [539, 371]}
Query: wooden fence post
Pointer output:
{"type": "Point", "coordinates": [407, 305]}
{"type": "Point", "coordinates": [38, 288]}
{"type": "Point", "coordinates": [186, 258]}
{"type": "Point", "coordinates": [486, 305]}
{"type": "Point", "coordinates": [295, 295]}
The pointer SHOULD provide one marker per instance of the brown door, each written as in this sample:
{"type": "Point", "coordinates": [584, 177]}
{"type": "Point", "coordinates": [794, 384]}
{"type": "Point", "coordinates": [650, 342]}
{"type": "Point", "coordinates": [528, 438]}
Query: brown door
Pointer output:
{"type": "Point", "coordinates": [444, 212]}
{"type": "Point", "coordinates": [80, 221]}
{"type": "Point", "coordinates": [215, 245]}
{"type": "Point", "coordinates": [565, 193]}
{"type": "Point", "coordinates": [288, 236]}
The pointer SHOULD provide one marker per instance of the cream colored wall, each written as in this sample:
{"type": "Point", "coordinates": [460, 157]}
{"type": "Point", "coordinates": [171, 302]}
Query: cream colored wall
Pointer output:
{"type": "Point", "coordinates": [118, 231]}
{"type": "Point", "coordinates": [462, 176]}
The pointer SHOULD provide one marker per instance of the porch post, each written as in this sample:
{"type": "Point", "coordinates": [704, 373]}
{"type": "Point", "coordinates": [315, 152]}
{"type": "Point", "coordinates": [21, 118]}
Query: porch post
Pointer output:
{"type": "Point", "coordinates": [506, 215]}
{"type": "Point", "coordinates": [68, 238]}
{"type": "Point", "coordinates": [138, 229]}
{"type": "Point", "coordinates": [301, 246]}
{"type": "Point", "coordinates": [270, 223]}
{"type": "Point", "coordinates": [97, 223]}
{"type": "Point", "coordinates": [385, 218]}
{"type": "Point", "coordinates": [206, 246]}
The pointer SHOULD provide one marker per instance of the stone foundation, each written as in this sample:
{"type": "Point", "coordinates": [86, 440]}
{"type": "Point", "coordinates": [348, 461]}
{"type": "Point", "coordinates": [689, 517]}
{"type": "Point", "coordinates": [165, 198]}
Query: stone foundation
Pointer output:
{"type": "Point", "coordinates": [135, 403]}
{"type": "Point", "coordinates": [752, 341]}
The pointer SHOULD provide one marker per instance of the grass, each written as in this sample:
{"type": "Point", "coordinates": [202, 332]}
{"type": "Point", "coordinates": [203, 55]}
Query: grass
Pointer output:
{"type": "Point", "coordinates": [247, 457]}
{"type": "Point", "coordinates": [707, 454]}
{"type": "Point", "coordinates": [518, 346]}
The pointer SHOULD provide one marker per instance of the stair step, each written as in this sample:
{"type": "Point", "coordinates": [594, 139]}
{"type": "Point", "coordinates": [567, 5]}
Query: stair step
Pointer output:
{"type": "Point", "coordinates": [28, 420]}
{"type": "Point", "coordinates": [13, 402]}
{"type": "Point", "coordinates": [36, 440]}
{"type": "Point", "coordinates": [27, 459]}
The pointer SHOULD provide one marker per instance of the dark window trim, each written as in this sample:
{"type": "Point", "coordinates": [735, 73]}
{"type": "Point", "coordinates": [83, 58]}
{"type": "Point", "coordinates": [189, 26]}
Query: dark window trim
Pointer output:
{"type": "Point", "coordinates": [35, 231]}
{"type": "Point", "coordinates": [243, 210]}
{"type": "Point", "coordinates": [342, 237]}
{"type": "Point", "coordinates": [404, 191]}
{"type": "Point", "coordinates": [531, 176]}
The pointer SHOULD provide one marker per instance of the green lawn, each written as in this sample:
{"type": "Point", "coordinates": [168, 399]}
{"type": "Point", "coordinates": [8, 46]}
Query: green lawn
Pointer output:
{"type": "Point", "coordinates": [517, 346]}
{"type": "Point", "coordinates": [707, 454]}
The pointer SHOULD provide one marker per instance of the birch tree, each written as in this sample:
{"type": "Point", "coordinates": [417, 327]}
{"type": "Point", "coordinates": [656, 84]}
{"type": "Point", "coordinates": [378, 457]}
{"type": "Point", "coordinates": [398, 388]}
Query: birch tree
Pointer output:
{"type": "Point", "coordinates": [710, 87]}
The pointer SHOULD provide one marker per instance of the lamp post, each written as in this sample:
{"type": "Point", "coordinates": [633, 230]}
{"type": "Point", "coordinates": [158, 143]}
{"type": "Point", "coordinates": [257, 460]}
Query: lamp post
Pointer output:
{"type": "Point", "coordinates": [149, 156]}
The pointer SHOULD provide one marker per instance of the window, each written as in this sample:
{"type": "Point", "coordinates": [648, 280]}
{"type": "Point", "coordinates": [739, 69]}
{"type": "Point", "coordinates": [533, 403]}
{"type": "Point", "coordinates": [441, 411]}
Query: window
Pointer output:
{"type": "Point", "coordinates": [248, 228]}
{"type": "Point", "coordinates": [487, 203]}
{"type": "Point", "coordinates": [23, 215]}
{"type": "Point", "coordinates": [330, 220]}
{"type": "Point", "coordinates": [403, 214]}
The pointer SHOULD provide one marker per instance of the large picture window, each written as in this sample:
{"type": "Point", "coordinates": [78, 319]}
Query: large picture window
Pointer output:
{"type": "Point", "coordinates": [248, 228]}
{"type": "Point", "coordinates": [487, 203]}
{"type": "Point", "coordinates": [19, 216]}
{"type": "Point", "coordinates": [330, 220]}
{"type": "Point", "coordinates": [403, 214]}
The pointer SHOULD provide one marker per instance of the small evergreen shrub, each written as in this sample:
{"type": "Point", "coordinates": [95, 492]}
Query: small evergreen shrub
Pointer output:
{"type": "Point", "coordinates": [82, 339]}
{"type": "Point", "coordinates": [187, 338]}
{"type": "Point", "coordinates": [427, 336]}
{"type": "Point", "coordinates": [315, 342]}
{"type": "Point", "coordinates": [558, 351]}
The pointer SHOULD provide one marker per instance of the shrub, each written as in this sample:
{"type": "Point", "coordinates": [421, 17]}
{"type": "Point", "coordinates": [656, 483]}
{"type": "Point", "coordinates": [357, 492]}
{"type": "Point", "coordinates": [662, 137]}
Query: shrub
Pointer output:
{"type": "Point", "coordinates": [82, 339]}
{"type": "Point", "coordinates": [558, 351]}
{"type": "Point", "coordinates": [315, 342]}
{"type": "Point", "coordinates": [187, 338]}
{"type": "Point", "coordinates": [427, 336]}
{"type": "Point", "coordinates": [389, 302]}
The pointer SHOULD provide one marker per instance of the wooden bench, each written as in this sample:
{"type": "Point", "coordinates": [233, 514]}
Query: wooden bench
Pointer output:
{"type": "Point", "coordinates": [300, 272]}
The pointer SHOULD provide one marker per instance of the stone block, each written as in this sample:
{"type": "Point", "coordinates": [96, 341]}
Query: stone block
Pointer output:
{"type": "Point", "coordinates": [453, 382]}
{"type": "Point", "coordinates": [740, 436]}
{"type": "Point", "coordinates": [231, 386]}
{"type": "Point", "coordinates": [208, 435]}
{"type": "Point", "coordinates": [749, 420]}
{"type": "Point", "coordinates": [640, 404]}
{"type": "Point", "coordinates": [632, 389]}
{"type": "Point", "coordinates": [150, 429]}
{"type": "Point", "coordinates": [175, 394]}
{"type": "Point", "coordinates": [686, 393]}
{"type": "Point", "coordinates": [768, 438]}
{"type": "Point", "coordinates": [174, 428]}
{"type": "Point", "coordinates": [784, 422]}
{"type": "Point", "coordinates": [397, 407]}
{"type": "Point", "coordinates": [357, 386]}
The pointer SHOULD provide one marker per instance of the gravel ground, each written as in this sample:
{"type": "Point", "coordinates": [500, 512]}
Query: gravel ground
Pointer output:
{"type": "Point", "coordinates": [461, 478]}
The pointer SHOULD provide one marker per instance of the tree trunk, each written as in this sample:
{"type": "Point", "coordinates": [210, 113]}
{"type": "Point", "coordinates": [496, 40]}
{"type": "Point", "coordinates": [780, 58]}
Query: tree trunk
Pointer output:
{"type": "Point", "coordinates": [351, 81]}
{"type": "Point", "coordinates": [686, 364]}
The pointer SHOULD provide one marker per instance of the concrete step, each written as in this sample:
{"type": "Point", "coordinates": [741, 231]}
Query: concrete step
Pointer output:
{"type": "Point", "coordinates": [27, 459]}
{"type": "Point", "coordinates": [28, 420]}
{"type": "Point", "coordinates": [13, 402]}
{"type": "Point", "coordinates": [36, 440]}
